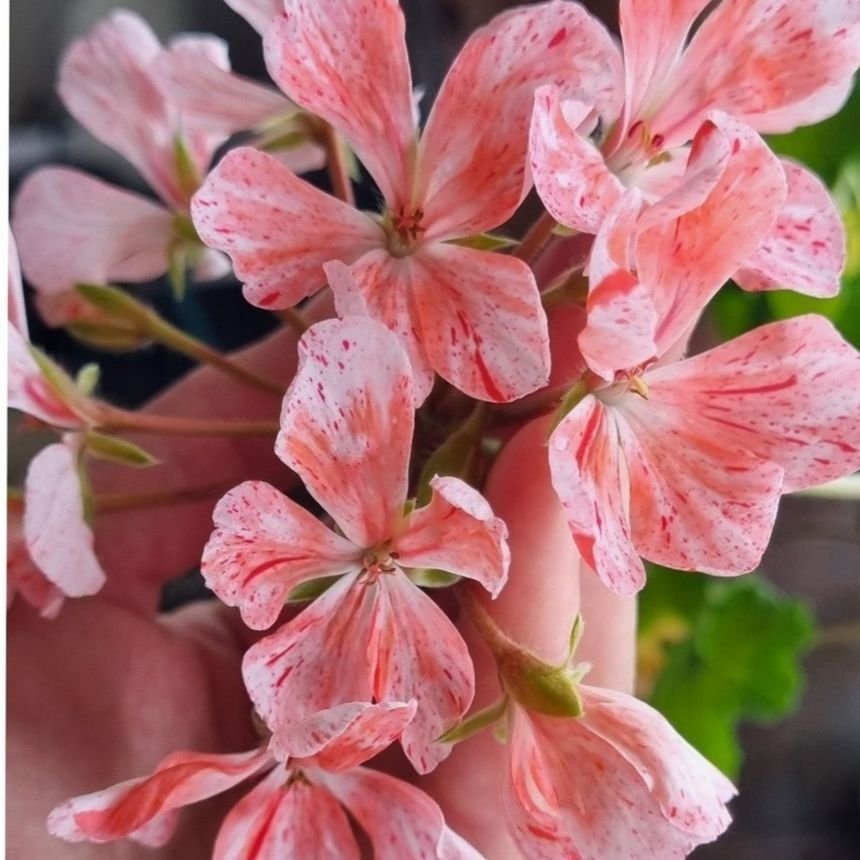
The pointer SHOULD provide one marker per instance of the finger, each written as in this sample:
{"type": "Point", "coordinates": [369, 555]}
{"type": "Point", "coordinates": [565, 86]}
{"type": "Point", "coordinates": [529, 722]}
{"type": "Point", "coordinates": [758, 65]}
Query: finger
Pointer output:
{"type": "Point", "coordinates": [536, 608]}
{"type": "Point", "coordinates": [141, 549]}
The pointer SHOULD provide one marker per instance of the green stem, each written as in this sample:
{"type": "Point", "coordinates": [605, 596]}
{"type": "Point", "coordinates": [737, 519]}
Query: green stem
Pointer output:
{"type": "Point", "coordinates": [536, 237]}
{"type": "Point", "coordinates": [109, 419]}
{"type": "Point", "coordinates": [110, 502]}
{"type": "Point", "coordinates": [337, 166]}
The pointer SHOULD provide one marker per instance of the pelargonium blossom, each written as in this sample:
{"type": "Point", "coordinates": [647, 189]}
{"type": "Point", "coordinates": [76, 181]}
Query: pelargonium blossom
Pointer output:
{"type": "Point", "coordinates": [684, 462]}
{"type": "Point", "coordinates": [617, 782]}
{"type": "Point", "coordinates": [120, 84]}
{"type": "Point", "coordinates": [472, 316]}
{"type": "Point", "coordinates": [298, 809]}
{"type": "Point", "coordinates": [346, 430]}
{"type": "Point", "coordinates": [771, 65]}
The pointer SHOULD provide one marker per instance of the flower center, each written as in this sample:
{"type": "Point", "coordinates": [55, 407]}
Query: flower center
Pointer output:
{"type": "Point", "coordinates": [405, 230]}
{"type": "Point", "coordinates": [377, 562]}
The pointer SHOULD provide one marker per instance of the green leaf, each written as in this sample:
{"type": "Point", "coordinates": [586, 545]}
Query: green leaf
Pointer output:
{"type": "Point", "coordinates": [739, 660]}
{"type": "Point", "coordinates": [118, 450]}
{"type": "Point", "coordinates": [486, 242]}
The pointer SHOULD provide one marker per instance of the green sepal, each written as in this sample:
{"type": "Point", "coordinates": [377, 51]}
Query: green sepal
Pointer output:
{"type": "Point", "coordinates": [538, 686]}
{"type": "Point", "coordinates": [304, 592]}
{"type": "Point", "coordinates": [485, 242]}
{"type": "Point", "coordinates": [183, 228]}
{"type": "Point", "coordinates": [108, 336]}
{"type": "Point", "coordinates": [455, 457]}
{"type": "Point", "coordinates": [112, 300]}
{"type": "Point", "coordinates": [63, 384]}
{"type": "Point", "coordinates": [116, 450]}
{"type": "Point", "coordinates": [570, 401]}
{"type": "Point", "coordinates": [88, 378]}
{"type": "Point", "coordinates": [475, 723]}
{"type": "Point", "coordinates": [177, 270]}
{"type": "Point", "coordinates": [427, 577]}
{"type": "Point", "coordinates": [186, 170]}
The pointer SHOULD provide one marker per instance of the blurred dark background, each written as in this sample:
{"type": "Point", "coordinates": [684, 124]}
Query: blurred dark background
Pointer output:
{"type": "Point", "coordinates": [800, 780]}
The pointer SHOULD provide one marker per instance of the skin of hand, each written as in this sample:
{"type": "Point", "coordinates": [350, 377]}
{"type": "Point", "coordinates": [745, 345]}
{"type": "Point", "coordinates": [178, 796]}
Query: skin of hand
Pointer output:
{"type": "Point", "coordinates": [109, 688]}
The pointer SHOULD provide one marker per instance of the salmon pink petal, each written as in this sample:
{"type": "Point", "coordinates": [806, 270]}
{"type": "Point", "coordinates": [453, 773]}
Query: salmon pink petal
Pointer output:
{"type": "Point", "coordinates": [787, 392]}
{"type": "Point", "coordinates": [423, 657]}
{"type": "Point", "coordinates": [699, 499]}
{"type": "Point", "coordinates": [263, 546]}
{"type": "Point", "coordinates": [73, 228]}
{"type": "Point", "coordinates": [377, 286]}
{"type": "Point", "coordinates": [473, 154]}
{"type": "Point", "coordinates": [106, 82]}
{"type": "Point", "coordinates": [124, 809]}
{"type": "Point", "coordinates": [691, 792]}
{"type": "Point", "coordinates": [284, 818]}
{"type": "Point", "coordinates": [323, 658]}
{"type": "Point", "coordinates": [348, 735]}
{"type": "Point", "coordinates": [570, 175]}
{"type": "Point", "coordinates": [346, 425]}
{"type": "Point", "coordinates": [654, 35]}
{"type": "Point", "coordinates": [17, 305]}
{"type": "Point", "coordinates": [58, 538]}
{"type": "Point", "coordinates": [277, 229]}
{"type": "Point", "coordinates": [258, 13]}
{"type": "Point", "coordinates": [805, 250]}
{"type": "Point", "coordinates": [752, 57]}
{"type": "Point", "coordinates": [347, 63]}
{"type": "Point", "coordinates": [456, 532]}
{"type": "Point", "coordinates": [482, 324]}
{"type": "Point", "coordinates": [22, 576]}
{"type": "Point", "coordinates": [692, 241]}
{"type": "Point", "coordinates": [400, 819]}
{"type": "Point", "coordinates": [29, 391]}
{"type": "Point", "coordinates": [601, 807]}
{"type": "Point", "coordinates": [589, 474]}
{"type": "Point", "coordinates": [823, 104]}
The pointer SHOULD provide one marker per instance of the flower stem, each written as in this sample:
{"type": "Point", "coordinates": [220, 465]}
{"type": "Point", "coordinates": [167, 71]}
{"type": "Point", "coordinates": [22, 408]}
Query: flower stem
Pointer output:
{"type": "Point", "coordinates": [536, 237]}
{"type": "Point", "coordinates": [109, 502]}
{"type": "Point", "coordinates": [337, 166]}
{"type": "Point", "coordinates": [294, 318]}
{"type": "Point", "coordinates": [109, 419]}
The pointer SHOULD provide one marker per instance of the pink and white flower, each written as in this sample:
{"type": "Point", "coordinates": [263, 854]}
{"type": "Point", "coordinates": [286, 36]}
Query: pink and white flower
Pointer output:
{"type": "Point", "coordinates": [616, 783]}
{"type": "Point", "coordinates": [771, 65]}
{"type": "Point", "coordinates": [346, 430]}
{"type": "Point", "coordinates": [296, 810]}
{"type": "Point", "coordinates": [473, 317]}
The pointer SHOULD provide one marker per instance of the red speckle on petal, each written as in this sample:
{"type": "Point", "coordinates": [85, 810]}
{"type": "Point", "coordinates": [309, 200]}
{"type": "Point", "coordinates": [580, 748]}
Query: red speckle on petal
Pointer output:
{"type": "Point", "coordinates": [558, 38]}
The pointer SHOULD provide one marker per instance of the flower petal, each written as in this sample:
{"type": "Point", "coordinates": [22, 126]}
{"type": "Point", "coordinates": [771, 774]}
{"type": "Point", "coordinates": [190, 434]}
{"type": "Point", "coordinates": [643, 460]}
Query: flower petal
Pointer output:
{"type": "Point", "coordinates": [786, 392]}
{"type": "Point", "coordinates": [423, 657]}
{"type": "Point", "coordinates": [482, 324]}
{"type": "Point", "coordinates": [73, 228]}
{"type": "Point", "coordinates": [323, 658]}
{"type": "Point", "coordinates": [700, 499]}
{"type": "Point", "coordinates": [805, 250]}
{"type": "Point", "coordinates": [458, 533]}
{"type": "Point", "coordinates": [570, 175]}
{"type": "Point", "coordinates": [282, 818]}
{"type": "Point", "coordinates": [589, 473]}
{"type": "Point", "coordinates": [58, 537]}
{"type": "Point", "coordinates": [348, 735]}
{"type": "Point", "coordinates": [400, 819]}
{"type": "Point", "coordinates": [107, 83]}
{"type": "Point", "coordinates": [752, 57]}
{"type": "Point", "coordinates": [263, 546]}
{"type": "Point", "coordinates": [179, 780]}
{"type": "Point", "coordinates": [347, 422]}
{"type": "Point", "coordinates": [347, 63]}
{"type": "Point", "coordinates": [693, 240]}
{"type": "Point", "coordinates": [17, 305]}
{"type": "Point", "coordinates": [654, 34]}
{"type": "Point", "coordinates": [258, 13]}
{"type": "Point", "coordinates": [377, 286]}
{"type": "Point", "coordinates": [277, 229]}
{"type": "Point", "coordinates": [473, 154]}
{"type": "Point", "coordinates": [28, 389]}
{"type": "Point", "coordinates": [691, 792]}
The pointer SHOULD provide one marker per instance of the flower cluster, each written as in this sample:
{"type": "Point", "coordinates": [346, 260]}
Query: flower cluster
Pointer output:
{"type": "Point", "coordinates": [653, 156]}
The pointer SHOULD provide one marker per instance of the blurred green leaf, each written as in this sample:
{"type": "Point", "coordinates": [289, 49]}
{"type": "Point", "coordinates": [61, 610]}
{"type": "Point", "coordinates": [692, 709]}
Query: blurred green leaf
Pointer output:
{"type": "Point", "coordinates": [736, 656]}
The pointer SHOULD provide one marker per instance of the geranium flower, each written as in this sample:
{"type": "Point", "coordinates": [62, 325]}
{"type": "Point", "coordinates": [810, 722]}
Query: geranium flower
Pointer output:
{"type": "Point", "coordinates": [346, 430]}
{"type": "Point", "coordinates": [296, 810]}
{"type": "Point", "coordinates": [121, 85]}
{"type": "Point", "coordinates": [772, 65]}
{"type": "Point", "coordinates": [617, 782]}
{"type": "Point", "coordinates": [472, 316]}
